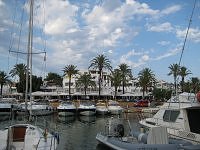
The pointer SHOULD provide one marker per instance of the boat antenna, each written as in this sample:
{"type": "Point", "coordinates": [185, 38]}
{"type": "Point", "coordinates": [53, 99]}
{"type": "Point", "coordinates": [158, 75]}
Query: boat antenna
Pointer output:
{"type": "Point", "coordinates": [190, 21]}
{"type": "Point", "coordinates": [185, 39]}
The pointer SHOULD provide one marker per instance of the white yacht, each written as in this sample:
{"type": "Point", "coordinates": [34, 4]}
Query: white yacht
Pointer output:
{"type": "Point", "coordinates": [36, 108]}
{"type": "Point", "coordinates": [180, 116]}
{"type": "Point", "coordinates": [86, 109]}
{"type": "Point", "coordinates": [114, 108]}
{"type": "Point", "coordinates": [66, 109]}
{"type": "Point", "coordinates": [101, 108]}
{"type": "Point", "coordinates": [27, 137]}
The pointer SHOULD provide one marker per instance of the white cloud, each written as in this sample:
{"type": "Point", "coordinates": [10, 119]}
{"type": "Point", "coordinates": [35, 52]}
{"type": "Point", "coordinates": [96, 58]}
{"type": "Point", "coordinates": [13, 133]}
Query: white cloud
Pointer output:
{"type": "Point", "coordinates": [110, 51]}
{"type": "Point", "coordinates": [144, 58]}
{"type": "Point", "coordinates": [1, 3]}
{"type": "Point", "coordinates": [164, 43]}
{"type": "Point", "coordinates": [59, 17]}
{"type": "Point", "coordinates": [109, 21]}
{"type": "Point", "coordinates": [2, 29]}
{"type": "Point", "coordinates": [194, 34]}
{"type": "Point", "coordinates": [170, 53]}
{"type": "Point", "coordinates": [164, 27]}
{"type": "Point", "coordinates": [171, 9]}
{"type": "Point", "coordinates": [140, 59]}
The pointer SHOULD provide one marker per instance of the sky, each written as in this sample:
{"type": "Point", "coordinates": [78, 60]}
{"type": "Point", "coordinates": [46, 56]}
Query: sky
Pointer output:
{"type": "Point", "coordinates": [140, 33]}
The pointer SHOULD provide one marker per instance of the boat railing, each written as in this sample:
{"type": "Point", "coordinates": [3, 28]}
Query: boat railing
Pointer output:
{"type": "Point", "coordinates": [52, 145]}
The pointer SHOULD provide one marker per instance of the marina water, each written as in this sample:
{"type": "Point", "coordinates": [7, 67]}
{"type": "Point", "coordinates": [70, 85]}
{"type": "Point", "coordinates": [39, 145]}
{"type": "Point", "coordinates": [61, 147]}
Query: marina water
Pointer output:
{"type": "Point", "coordinates": [75, 132]}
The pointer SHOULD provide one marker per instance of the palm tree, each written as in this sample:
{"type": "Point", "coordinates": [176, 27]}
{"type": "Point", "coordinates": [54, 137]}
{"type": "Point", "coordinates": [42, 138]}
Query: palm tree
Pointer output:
{"type": "Point", "coordinates": [69, 71]}
{"type": "Point", "coordinates": [146, 79]}
{"type": "Point", "coordinates": [100, 62]}
{"type": "Point", "coordinates": [174, 70]}
{"type": "Point", "coordinates": [3, 80]}
{"type": "Point", "coordinates": [195, 83]}
{"type": "Point", "coordinates": [116, 79]}
{"type": "Point", "coordinates": [20, 71]}
{"type": "Point", "coordinates": [126, 74]}
{"type": "Point", "coordinates": [85, 81]}
{"type": "Point", "coordinates": [183, 73]}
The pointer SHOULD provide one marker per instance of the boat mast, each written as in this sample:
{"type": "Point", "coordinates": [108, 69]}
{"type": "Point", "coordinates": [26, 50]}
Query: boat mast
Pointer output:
{"type": "Point", "coordinates": [29, 56]}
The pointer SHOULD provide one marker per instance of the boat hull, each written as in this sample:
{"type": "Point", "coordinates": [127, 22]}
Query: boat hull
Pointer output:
{"type": "Point", "coordinates": [115, 143]}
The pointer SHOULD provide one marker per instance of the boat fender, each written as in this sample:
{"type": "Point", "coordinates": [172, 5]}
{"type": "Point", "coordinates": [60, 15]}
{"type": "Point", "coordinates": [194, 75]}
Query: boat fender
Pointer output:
{"type": "Point", "coordinates": [140, 137]}
{"type": "Point", "coordinates": [56, 135]}
{"type": "Point", "coordinates": [120, 130]}
{"type": "Point", "coordinates": [198, 96]}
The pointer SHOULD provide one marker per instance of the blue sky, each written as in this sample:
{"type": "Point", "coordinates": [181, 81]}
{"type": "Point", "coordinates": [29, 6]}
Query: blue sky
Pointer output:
{"type": "Point", "coordinates": [141, 33]}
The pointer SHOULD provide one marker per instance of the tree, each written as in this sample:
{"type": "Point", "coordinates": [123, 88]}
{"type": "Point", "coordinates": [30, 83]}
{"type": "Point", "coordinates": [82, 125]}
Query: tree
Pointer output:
{"type": "Point", "coordinates": [36, 83]}
{"type": "Point", "coordinates": [100, 62]}
{"type": "Point", "coordinates": [69, 71]}
{"type": "Point", "coordinates": [84, 81]}
{"type": "Point", "coordinates": [195, 84]}
{"type": "Point", "coordinates": [174, 70]}
{"type": "Point", "coordinates": [54, 78]}
{"type": "Point", "coordinates": [19, 70]}
{"type": "Point", "coordinates": [146, 79]}
{"type": "Point", "coordinates": [3, 80]}
{"type": "Point", "coordinates": [125, 73]}
{"type": "Point", "coordinates": [116, 79]}
{"type": "Point", "coordinates": [161, 94]}
{"type": "Point", "coordinates": [183, 73]}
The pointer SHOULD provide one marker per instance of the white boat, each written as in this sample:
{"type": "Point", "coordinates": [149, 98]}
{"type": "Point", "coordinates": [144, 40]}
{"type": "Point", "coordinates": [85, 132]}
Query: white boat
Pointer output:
{"type": "Point", "coordinates": [27, 137]}
{"type": "Point", "coordinates": [86, 109]}
{"type": "Point", "coordinates": [66, 109]}
{"type": "Point", "coordinates": [6, 105]}
{"type": "Point", "coordinates": [180, 116]}
{"type": "Point", "coordinates": [114, 108]}
{"type": "Point", "coordinates": [115, 136]}
{"type": "Point", "coordinates": [101, 108]}
{"type": "Point", "coordinates": [36, 108]}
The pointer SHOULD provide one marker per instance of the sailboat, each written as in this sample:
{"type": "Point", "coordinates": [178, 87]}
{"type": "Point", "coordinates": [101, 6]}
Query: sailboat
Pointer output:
{"type": "Point", "coordinates": [27, 136]}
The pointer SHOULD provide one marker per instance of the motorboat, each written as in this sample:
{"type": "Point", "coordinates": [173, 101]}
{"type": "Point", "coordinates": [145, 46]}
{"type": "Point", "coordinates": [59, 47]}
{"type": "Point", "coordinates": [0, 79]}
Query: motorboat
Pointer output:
{"type": "Point", "coordinates": [35, 108]}
{"type": "Point", "coordinates": [86, 109]}
{"type": "Point", "coordinates": [66, 108]}
{"type": "Point", "coordinates": [180, 116]}
{"type": "Point", "coordinates": [117, 136]}
{"type": "Point", "coordinates": [27, 137]}
{"type": "Point", "coordinates": [114, 108]}
{"type": "Point", "coordinates": [101, 108]}
{"type": "Point", "coordinates": [6, 105]}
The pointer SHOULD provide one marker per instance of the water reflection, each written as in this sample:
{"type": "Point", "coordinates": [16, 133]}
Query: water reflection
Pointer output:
{"type": "Point", "coordinates": [87, 119]}
{"type": "Point", "coordinates": [66, 119]}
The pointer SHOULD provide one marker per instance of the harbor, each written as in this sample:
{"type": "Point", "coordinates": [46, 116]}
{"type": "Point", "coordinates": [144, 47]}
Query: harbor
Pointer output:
{"type": "Point", "coordinates": [75, 132]}
{"type": "Point", "coordinates": [95, 75]}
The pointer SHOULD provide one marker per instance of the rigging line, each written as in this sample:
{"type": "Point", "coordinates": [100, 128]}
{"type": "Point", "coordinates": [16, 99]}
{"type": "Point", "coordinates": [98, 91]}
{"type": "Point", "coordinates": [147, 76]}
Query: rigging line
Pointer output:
{"type": "Point", "coordinates": [12, 28]}
{"type": "Point", "coordinates": [20, 31]}
{"type": "Point", "coordinates": [44, 24]}
{"type": "Point", "coordinates": [190, 21]}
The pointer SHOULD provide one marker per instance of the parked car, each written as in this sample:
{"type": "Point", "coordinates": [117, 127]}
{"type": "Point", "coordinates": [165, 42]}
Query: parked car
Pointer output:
{"type": "Point", "coordinates": [142, 103]}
